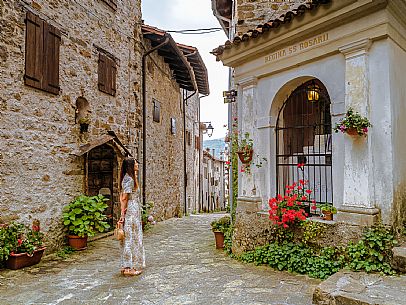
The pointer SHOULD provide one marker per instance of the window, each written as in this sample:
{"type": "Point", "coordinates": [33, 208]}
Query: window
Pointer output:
{"type": "Point", "coordinates": [188, 137]}
{"type": "Point", "coordinates": [107, 74]}
{"type": "Point", "coordinates": [197, 142]}
{"type": "Point", "coordinates": [111, 3]}
{"type": "Point", "coordinates": [156, 113]}
{"type": "Point", "coordinates": [205, 172]}
{"type": "Point", "coordinates": [42, 42]}
{"type": "Point", "coordinates": [173, 126]}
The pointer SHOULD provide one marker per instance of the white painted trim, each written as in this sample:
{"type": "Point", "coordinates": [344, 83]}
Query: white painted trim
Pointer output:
{"type": "Point", "coordinates": [356, 48]}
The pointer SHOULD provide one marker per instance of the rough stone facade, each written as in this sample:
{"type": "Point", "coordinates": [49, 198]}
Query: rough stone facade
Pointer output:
{"type": "Point", "coordinates": [193, 154]}
{"type": "Point", "coordinates": [164, 184]}
{"type": "Point", "coordinates": [248, 13]}
{"type": "Point", "coordinates": [38, 130]}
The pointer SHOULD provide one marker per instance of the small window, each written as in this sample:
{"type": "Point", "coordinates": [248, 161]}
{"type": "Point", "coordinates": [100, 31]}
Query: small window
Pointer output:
{"type": "Point", "coordinates": [111, 3]}
{"type": "Point", "coordinates": [197, 142]}
{"type": "Point", "coordinates": [156, 113]}
{"type": "Point", "coordinates": [173, 126]}
{"type": "Point", "coordinates": [188, 137]}
{"type": "Point", "coordinates": [107, 74]}
{"type": "Point", "coordinates": [42, 43]}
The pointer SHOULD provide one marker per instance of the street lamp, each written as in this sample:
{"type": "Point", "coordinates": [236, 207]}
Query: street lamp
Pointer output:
{"type": "Point", "coordinates": [313, 92]}
{"type": "Point", "coordinates": [207, 128]}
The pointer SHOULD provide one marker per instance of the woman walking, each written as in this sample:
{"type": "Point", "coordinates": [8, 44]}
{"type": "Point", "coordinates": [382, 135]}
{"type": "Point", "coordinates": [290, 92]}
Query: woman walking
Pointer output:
{"type": "Point", "coordinates": [132, 249]}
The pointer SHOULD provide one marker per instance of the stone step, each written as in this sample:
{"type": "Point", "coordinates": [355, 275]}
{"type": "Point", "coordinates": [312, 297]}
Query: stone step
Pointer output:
{"type": "Point", "coordinates": [359, 288]}
{"type": "Point", "coordinates": [399, 259]}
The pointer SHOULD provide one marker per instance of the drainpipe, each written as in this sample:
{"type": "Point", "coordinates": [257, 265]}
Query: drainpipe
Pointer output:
{"type": "Point", "coordinates": [144, 118]}
{"type": "Point", "coordinates": [184, 145]}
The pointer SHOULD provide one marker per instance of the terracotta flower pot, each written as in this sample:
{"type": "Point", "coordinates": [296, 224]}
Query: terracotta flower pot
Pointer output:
{"type": "Point", "coordinates": [77, 243]}
{"type": "Point", "coordinates": [352, 131]}
{"type": "Point", "coordinates": [21, 260]}
{"type": "Point", "coordinates": [327, 215]}
{"type": "Point", "coordinates": [219, 240]}
{"type": "Point", "coordinates": [245, 157]}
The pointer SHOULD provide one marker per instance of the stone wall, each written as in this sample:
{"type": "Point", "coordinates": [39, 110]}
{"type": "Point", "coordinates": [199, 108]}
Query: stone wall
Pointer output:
{"type": "Point", "coordinates": [253, 228]}
{"type": "Point", "coordinates": [38, 176]}
{"type": "Point", "coordinates": [164, 184]}
{"type": "Point", "coordinates": [248, 13]}
{"type": "Point", "coordinates": [192, 154]}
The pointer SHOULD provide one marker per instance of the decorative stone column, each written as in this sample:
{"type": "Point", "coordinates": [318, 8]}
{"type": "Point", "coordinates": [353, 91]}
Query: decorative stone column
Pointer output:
{"type": "Point", "coordinates": [358, 205]}
{"type": "Point", "coordinates": [246, 113]}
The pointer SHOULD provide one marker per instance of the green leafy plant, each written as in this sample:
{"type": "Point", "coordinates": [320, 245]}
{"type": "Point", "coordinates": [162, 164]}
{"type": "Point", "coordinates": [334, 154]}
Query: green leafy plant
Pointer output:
{"type": "Point", "coordinates": [18, 238]}
{"type": "Point", "coordinates": [146, 217]}
{"type": "Point", "coordinates": [84, 216]}
{"type": "Point", "coordinates": [85, 120]}
{"type": "Point", "coordinates": [326, 207]}
{"type": "Point", "coordinates": [312, 230]}
{"type": "Point", "coordinates": [353, 120]}
{"type": "Point", "coordinates": [65, 252]}
{"type": "Point", "coordinates": [373, 252]}
{"type": "Point", "coordinates": [221, 225]}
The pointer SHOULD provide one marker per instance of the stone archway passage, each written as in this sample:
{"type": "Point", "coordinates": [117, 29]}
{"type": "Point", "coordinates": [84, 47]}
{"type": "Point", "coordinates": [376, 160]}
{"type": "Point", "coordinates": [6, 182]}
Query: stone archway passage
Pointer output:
{"type": "Point", "coordinates": [101, 177]}
{"type": "Point", "coordinates": [303, 136]}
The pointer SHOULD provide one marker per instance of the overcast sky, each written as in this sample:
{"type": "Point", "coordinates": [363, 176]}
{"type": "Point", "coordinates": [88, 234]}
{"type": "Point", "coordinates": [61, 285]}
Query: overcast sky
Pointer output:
{"type": "Point", "coordinates": [194, 14]}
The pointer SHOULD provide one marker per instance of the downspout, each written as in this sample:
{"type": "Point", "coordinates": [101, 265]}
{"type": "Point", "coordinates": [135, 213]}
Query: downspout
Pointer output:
{"type": "Point", "coordinates": [184, 146]}
{"type": "Point", "coordinates": [144, 118]}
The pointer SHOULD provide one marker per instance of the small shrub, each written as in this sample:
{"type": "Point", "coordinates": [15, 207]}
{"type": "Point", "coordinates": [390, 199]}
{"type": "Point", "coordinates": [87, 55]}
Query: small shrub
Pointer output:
{"type": "Point", "coordinates": [221, 225]}
{"type": "Point", "coordinates": [84, 216]}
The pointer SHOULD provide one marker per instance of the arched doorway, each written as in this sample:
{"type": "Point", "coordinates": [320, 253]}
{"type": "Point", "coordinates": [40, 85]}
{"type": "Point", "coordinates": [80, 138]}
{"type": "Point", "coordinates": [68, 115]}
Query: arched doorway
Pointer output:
{"type": "Point", "coordinates": [102, 174]}
{"type": "Point", "coordinates": [303, 136]}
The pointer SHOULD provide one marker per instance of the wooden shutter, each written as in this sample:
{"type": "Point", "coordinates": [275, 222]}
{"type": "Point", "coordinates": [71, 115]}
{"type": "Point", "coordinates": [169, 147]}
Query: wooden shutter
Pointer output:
{"type": "Point", "coordinates": [34, 44]}
{"type": "Point", "coordinates": [107, 75]}
{"type": "Point", "coordinates": [111, 3]}
{"type": "Point", "coordinates": [102, 72]}
{"type": "Point", "coordinates": [197, 142]}
{"type": "Point", "coordinates": [52, 41]}
{"type": "Point", "coordinates": [156, 115]}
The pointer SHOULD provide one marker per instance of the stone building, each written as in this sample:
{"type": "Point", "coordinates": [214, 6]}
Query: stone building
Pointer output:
{"type": "Point", "coordinates": [176, 78]}
{"type": "Point", "coordinates": [71, 108]}
{"type": "Point", "coordinates": [213, 183]}
{"type": "Point", "coordinates": [353, 53]}
{"type": "Point", "coordinates": [63, 63]}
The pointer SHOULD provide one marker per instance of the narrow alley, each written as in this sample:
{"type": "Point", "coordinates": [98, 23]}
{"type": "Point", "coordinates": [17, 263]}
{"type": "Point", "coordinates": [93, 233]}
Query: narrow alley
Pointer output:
{"type": "Point", "coordinates": [183, 267]}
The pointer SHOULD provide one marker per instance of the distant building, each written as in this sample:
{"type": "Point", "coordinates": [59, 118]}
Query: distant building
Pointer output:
{"type": "Point", "coordinates": [213, 183]}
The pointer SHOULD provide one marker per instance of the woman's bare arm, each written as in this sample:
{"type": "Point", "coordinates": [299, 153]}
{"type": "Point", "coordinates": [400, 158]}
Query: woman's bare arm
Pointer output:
{"type": "Point", "coordinates": [124, 203]}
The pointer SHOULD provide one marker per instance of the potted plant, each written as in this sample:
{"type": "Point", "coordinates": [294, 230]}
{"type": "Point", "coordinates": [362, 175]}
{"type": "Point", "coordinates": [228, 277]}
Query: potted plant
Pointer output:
{"type": "Point", "coordinates": [83, 217]}
{"type": "Point", "coordinates": [353, 124]}
{"type": "Point", "coordinates": [219, 227]}
{"type": "Point", "coordinates": [245, 150]}
{"type": "Point", "coordinates": [84, 123]}
{"type": "Point", "coordinates": [327, 210]}
{"type": "Point", "coordinates": [20, 246]}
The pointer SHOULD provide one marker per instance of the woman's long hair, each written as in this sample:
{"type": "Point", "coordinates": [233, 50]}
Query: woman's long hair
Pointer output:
{"type": "Point", "coordinates": [128, 168]}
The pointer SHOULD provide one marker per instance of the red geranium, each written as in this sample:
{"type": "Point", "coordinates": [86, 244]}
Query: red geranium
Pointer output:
{"type": "Point", "coordinates": [288, 210]}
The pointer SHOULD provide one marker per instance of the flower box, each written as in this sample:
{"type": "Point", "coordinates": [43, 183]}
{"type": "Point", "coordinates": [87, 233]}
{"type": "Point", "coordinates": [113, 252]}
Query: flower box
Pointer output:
{"type": "Point", "coordinates": [21, 260]}
{"type": "Point", "coordinates": [245, 156]}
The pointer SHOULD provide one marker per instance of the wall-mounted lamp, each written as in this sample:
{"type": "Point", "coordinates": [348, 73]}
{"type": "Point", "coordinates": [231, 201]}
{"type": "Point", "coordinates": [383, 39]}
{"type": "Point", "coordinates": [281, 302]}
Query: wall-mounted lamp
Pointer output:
{"type": "Point", "coordinates": [313, 92]}
{"type": "Point", "coordinates": [207, 128]}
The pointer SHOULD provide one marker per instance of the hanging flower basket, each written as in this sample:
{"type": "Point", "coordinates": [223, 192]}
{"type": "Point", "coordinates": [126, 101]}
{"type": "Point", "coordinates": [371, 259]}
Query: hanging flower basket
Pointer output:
{"type": "Point", "coordinates": [245, 156]}
{"type": "Point", "coordinates": [21, 260]}
{"type": "Point", "coordinates": [352, 132]}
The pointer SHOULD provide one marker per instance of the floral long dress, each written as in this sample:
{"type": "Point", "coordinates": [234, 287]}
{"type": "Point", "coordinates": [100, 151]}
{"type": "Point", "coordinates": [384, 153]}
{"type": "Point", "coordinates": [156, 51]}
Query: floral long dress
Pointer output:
{"type": "Point", "coordinates": [132, 249]}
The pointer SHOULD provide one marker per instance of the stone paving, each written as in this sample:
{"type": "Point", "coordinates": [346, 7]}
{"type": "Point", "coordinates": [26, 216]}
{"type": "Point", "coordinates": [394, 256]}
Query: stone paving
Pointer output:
{"type": "Point", "coordinates": [183, 267]}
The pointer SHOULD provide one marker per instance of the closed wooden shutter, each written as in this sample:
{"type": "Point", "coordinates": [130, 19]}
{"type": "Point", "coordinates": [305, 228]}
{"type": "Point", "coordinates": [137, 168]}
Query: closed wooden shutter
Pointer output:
{"type": "Point", "coordinates": [34, 44]}
{"type": "Point", "coordinates": [111, 3]}
{"type": "Point", "coordinates": [107, 75]}
{"type": "Point", "coordinates": [52, 42]}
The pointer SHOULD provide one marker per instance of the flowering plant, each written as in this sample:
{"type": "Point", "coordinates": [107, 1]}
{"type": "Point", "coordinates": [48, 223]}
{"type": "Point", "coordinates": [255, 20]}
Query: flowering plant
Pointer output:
{"type": "Point", "coordinates": [146, 218]}
{"type": "Point", "coordinates": [288, 210]}
{"type": "Point", "coordinates": [353, 123]}
{"type": "Point", "coordinates": [18, 238]}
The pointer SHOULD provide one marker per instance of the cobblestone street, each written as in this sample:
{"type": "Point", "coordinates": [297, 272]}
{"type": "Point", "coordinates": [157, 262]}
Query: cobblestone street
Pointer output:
{"type": "Point", "coordinates": [183, 267]}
